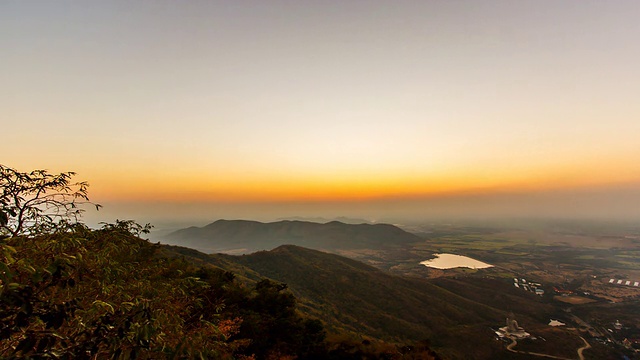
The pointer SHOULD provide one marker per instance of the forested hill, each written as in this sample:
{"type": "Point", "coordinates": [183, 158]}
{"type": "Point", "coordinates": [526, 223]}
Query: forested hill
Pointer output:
{"type": "Point", "coordinates": [78, 293]}
{"type": "Point", "coordinates": [242, 236]}
{"type": "Point", "coordinates": [354, 297]}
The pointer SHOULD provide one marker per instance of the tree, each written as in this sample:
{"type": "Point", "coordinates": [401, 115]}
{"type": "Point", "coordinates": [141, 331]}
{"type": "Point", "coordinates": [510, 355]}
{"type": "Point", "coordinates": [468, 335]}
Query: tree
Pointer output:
{"type": "Point", "coordinates": [38, 201]}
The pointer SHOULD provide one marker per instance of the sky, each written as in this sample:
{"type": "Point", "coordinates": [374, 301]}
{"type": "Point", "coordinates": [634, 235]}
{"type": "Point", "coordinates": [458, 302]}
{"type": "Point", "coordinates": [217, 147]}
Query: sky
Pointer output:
{"type": "Point", "coordinates": [376, 109]}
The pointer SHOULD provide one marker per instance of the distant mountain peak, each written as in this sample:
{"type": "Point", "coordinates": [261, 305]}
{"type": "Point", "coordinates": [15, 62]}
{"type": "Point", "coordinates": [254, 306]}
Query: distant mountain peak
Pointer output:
{"type": "Point", "coordinates": [245, 236]}
{"type": "Point", "coordinates": [322, 220]}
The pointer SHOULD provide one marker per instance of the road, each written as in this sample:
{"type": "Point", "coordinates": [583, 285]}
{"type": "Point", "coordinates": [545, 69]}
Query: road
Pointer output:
{"type": "Point", "coordinates": [585, 347]}
{"type": "Point", "coordinates": [580, 350]}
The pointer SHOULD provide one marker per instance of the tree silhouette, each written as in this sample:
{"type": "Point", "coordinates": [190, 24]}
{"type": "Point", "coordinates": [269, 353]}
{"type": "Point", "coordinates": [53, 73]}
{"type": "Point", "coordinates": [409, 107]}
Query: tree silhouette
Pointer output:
{"type": "Point", "coordinates": [37, 201]}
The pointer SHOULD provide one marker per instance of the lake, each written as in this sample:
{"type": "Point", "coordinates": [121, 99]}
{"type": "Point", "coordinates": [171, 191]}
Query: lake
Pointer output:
{"type": "Point", "coordinates": [450, 261]}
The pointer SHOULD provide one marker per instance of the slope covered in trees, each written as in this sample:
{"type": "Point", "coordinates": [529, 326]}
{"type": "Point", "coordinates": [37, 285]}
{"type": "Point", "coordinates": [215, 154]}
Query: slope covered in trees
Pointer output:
{"type": "Point", "coordinates": [104, 293]}
{"type": "Point", "coordinates": [353, 297]}
{"type": "Point", "coordinates": [82, 293]}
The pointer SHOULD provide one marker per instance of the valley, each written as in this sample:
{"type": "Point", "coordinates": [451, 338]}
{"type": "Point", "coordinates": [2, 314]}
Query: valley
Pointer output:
{"type": "Point", "coordinates": [579, 270]}
{"type": "Point", "coordinates": [538, 274]}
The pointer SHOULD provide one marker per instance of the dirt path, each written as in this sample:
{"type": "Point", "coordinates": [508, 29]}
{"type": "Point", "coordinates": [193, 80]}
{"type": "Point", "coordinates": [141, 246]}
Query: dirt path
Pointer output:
{"type": "Point", "coordinates": [585, 347]}
{"type": "Point", "coordinates": [580, 350]}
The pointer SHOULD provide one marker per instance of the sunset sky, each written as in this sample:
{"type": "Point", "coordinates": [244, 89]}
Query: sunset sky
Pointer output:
{"type": "Point", "coordinates": [265, 109]}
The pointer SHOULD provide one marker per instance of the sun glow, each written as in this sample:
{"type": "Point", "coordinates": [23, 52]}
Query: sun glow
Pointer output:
{"type": "Point", "coordinates": [356, 185]}
{"type": "Point", "coordinates": [317, 103]}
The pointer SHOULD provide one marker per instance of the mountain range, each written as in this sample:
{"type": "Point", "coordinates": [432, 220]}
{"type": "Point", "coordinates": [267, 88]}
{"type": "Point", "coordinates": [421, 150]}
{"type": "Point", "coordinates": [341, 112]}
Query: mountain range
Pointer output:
{"type": "Point", "coordinates": [242, 236]}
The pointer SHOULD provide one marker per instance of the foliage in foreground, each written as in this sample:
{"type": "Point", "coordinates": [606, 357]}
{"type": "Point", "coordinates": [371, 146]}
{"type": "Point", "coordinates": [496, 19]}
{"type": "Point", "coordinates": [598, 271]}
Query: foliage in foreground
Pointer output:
{"type": "Point", "coordinates": [35, 202]}
{"type": "Point", "coordinates": [99, 294]}
{"type": "Point", "coordinates": [84, 293]}
{"type": "Point", "coordinates": [104, 294]}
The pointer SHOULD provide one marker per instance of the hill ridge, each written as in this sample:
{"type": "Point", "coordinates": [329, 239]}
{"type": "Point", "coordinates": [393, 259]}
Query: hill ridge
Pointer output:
{"type": "Point", "coordinates": [352, 296]}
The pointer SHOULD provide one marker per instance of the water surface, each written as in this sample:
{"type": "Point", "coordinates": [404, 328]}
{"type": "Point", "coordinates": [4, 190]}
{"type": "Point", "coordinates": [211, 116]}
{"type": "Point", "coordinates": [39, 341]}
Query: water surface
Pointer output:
{"type": "Point", "coordinates": [450, 261]}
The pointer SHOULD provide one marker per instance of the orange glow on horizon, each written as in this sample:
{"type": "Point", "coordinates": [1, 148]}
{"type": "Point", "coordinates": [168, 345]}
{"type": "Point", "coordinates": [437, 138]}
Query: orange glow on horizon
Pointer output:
{"type": "Point", "coordinates": [356, 187]}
